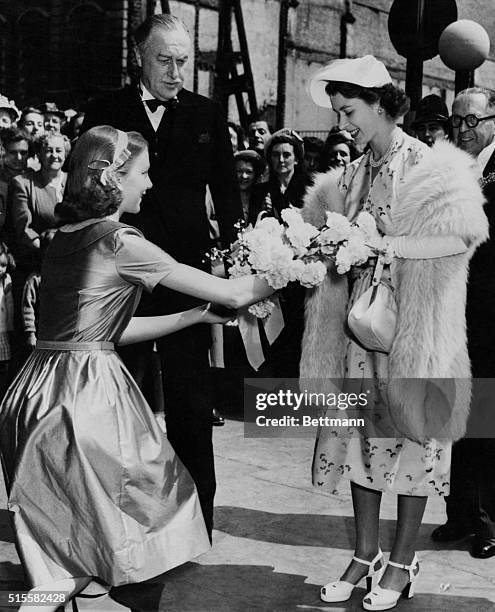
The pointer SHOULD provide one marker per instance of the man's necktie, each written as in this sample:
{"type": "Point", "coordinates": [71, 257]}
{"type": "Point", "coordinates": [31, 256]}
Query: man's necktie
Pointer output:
{"type": "Point", "coordinates": [153, 104]}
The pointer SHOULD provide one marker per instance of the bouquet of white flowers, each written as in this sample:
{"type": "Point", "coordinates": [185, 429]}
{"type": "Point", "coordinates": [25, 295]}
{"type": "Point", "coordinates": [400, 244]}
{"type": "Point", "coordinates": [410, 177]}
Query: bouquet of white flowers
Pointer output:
{"type": "Point", "coordinates": [349, 244]}
{"type": "Point", "coordinates": [297, 251]}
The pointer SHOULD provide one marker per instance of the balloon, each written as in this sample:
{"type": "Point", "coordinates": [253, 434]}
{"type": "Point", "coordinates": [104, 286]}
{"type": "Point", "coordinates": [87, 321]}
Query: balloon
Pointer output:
{"type": "Point", "coordinates": [464, 45]}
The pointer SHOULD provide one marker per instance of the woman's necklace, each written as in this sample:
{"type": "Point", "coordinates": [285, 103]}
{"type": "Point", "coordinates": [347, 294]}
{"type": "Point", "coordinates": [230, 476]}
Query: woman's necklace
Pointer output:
{"type": "Point", "coordinates": [377, 163]}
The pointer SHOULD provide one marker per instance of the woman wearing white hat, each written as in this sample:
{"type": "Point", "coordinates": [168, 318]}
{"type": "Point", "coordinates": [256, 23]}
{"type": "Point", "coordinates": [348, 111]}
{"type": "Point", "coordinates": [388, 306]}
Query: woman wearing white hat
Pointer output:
{"type": "Point", "coordinates": [428, 206]}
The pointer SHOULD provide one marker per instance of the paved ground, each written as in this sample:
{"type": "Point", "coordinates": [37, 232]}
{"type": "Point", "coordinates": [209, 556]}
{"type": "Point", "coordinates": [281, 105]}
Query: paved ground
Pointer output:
{"type": "Point", "coordinates": [277, 540]}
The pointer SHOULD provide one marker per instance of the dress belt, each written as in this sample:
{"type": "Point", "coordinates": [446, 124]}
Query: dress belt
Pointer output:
{"type": "Point", "coordinates": [49, 345]}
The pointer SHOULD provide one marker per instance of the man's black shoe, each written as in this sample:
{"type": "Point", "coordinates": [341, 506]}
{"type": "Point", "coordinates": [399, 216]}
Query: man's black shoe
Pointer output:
{"type": "Point", "coordinates": [450, 532]}
{"type": "Point", "coordinates": [217, 419]}
{"type": "Point", "coordinates": [482, 548]}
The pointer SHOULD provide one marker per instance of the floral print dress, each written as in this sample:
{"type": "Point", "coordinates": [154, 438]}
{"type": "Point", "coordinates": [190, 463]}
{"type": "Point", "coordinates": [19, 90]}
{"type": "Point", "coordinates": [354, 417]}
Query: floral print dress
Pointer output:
{"type": "Point", "coordinates": [391, 464]}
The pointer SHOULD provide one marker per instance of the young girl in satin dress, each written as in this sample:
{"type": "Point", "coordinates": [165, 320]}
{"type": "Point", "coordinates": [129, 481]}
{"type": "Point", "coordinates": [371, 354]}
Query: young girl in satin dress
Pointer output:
{"type": "Point", "coordinates": [97, 493]}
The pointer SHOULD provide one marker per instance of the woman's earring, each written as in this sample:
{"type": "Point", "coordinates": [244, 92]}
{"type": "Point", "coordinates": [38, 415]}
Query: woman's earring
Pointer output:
{"type": "Point", "coordinates": [380, 111]}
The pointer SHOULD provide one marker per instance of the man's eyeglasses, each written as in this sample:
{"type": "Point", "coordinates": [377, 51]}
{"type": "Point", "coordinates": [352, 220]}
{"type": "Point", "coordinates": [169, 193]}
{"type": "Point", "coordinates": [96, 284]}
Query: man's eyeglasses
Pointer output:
{"type": "Point", "coordinates": [471, 121]}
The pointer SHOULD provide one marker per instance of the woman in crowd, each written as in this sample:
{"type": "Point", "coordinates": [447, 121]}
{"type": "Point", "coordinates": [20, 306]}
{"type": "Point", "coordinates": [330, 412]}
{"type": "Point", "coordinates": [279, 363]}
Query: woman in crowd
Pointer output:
{"type": "Point", "coordinates": [284, 153]}
{"type": "Point", "coordinates": [313, 149]}
{"type": "Point", "coordinates": [95, 488]}
{"type": "Point", "coordinates": [428, 206]}
{"type": "Point", "coordinates": [286, 187]}
{"type": "Point", "coordinates": [9, 113]}
{"type": "Point", "coordinates": [53, 117]}
{"type": "Point", "coordinates": [31, 122]}
{"type": "Point", "coordinates": [236, 136]}
{"type": "Point", "coordinates": [249, 166]}
{"type": "Point", "coordinates": [338, 150]}
{"type": "Point", "coordinates": [33, 198]}
{"type": "Point", "coordinates": [31, 212]}
{"type": "Point", "coordinates": [234, 363]}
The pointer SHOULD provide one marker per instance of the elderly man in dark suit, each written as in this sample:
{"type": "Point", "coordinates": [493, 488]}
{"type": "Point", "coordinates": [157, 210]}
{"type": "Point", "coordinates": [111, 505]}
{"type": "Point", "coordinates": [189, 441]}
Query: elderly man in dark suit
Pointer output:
{"type": "Point", "coordinates": [471, 503]}
{"type": "Point", "coordinates": [189, 149]}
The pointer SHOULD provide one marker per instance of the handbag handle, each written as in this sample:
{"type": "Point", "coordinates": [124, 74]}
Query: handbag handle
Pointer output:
{"type": "Point", "coordinates": [377, 275]}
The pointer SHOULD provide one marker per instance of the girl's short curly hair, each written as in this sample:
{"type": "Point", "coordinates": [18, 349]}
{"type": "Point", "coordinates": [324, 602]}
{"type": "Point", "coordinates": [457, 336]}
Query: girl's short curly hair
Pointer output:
{"type": "Point", "coordinates": [392, 99]}
{"type": "Point", "coordinates": [86, 197]}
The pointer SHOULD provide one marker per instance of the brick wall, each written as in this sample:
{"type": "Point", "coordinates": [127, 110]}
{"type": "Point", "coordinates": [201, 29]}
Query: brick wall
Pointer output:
{"type": "Point", "coordinates": [315, 39]}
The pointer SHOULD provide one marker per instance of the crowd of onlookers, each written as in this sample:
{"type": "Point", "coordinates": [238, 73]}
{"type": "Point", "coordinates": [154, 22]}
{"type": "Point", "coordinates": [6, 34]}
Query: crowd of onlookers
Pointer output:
{"type": "Point", "coordinates": [34, 147]}
{"type": "Point", "coordinates": [274, 170]}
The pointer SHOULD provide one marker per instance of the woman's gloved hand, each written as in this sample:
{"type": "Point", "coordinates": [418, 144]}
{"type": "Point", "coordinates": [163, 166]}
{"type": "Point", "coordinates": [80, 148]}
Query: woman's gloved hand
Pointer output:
{"type": "Point", "coordinates": [423, 247]}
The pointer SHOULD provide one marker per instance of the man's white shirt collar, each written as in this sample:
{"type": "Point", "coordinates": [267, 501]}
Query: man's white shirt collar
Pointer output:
{"type": "Point", "coordinates": [156, 117]}
{"type": "Point", "coordinates": [145, 94]}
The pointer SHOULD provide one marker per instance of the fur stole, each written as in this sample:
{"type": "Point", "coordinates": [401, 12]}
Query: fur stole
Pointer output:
{"type": "Point", "coordinates": [440, 196]}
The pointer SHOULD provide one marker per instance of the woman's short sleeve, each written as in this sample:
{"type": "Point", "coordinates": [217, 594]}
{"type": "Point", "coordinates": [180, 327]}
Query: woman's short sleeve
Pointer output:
{"type": "Point", "coordinates": [139, 261]}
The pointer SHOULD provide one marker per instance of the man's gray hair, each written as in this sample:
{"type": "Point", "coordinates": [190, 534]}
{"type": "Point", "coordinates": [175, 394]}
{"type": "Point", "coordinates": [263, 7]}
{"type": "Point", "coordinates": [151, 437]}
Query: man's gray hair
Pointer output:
{"type": "Point", "coordinates": [488, 93]}
{"type": "Point", "coordinates": [170, 23]}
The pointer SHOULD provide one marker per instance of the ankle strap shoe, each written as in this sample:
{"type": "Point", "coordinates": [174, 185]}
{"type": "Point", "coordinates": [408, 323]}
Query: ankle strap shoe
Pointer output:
{"type": "Point", "coordinates": [341, 590]}
{"type": "Point", "coordinates": [385, 599]}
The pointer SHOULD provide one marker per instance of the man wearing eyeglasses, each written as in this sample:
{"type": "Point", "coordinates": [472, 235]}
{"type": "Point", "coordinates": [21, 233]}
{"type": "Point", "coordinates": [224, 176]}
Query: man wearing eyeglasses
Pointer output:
{"type": "Point", "coordinates": [472, 121]}
{"type": "Point", "coordinates": [471, 503]}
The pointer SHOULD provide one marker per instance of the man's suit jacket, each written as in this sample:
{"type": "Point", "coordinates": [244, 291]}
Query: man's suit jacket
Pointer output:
{"type": "Point", "coordinates": [190, 149]}
{"type": "Point", "coordinates": [480, 310]}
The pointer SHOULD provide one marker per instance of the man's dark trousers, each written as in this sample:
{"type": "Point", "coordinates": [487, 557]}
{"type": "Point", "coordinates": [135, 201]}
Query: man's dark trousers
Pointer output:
{"type": "Point", "coordinates": [471, 503]}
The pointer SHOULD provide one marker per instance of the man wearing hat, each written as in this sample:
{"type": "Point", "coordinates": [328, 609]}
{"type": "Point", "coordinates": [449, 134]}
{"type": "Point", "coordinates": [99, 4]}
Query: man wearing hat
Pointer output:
{"type": "Point", "coordinates": [432, 120]}
{"type": "Point", "coordinates": [54, 118]}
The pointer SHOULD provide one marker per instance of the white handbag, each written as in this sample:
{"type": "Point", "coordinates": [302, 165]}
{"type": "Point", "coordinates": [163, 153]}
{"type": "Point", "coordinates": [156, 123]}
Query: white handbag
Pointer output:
{"type": "Point", "coordinates": [373, 317]}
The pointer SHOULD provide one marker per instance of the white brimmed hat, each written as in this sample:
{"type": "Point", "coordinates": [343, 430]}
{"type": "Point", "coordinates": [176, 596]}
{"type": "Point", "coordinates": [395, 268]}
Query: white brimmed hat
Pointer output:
{"type": "Point", "coordinates": [365, 71]}
{"type": "Point", "coordinates": [9, 105]}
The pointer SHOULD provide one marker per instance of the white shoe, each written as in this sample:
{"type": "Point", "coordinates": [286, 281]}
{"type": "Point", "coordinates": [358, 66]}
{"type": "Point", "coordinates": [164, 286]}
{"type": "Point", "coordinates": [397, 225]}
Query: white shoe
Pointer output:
{"type": "Point", "coordinates": [341, 590]}
{"type": "Point", "coordinates": [385, 599]}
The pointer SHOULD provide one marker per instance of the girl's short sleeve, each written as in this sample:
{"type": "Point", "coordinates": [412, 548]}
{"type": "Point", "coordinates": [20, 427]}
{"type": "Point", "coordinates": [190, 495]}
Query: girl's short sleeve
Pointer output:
{"type": "Point", "coordinates": [140, 262]}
